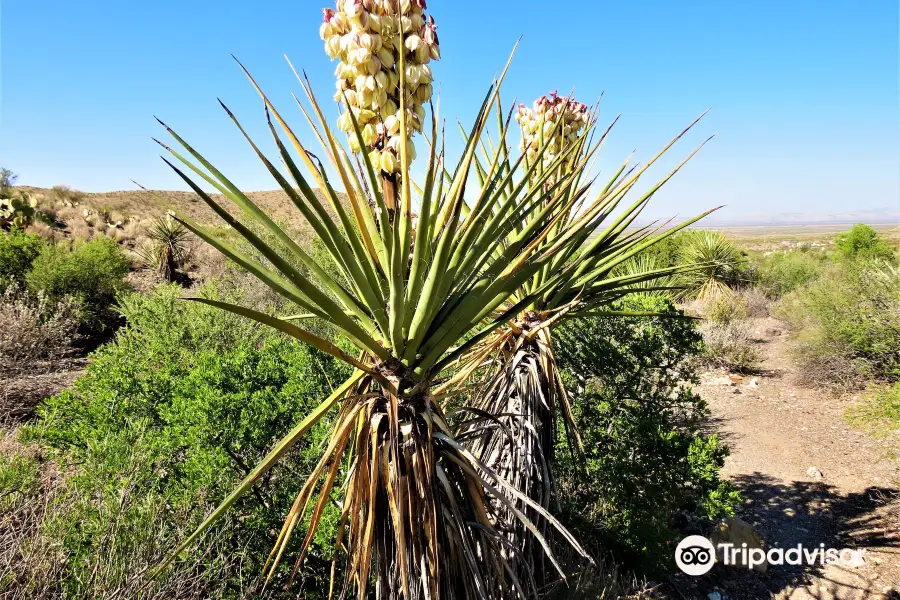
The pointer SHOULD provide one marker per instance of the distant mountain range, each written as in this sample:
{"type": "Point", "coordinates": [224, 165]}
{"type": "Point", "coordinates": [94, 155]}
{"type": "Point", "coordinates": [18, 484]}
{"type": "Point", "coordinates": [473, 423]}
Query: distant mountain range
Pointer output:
{"type": "Point", "coordinates": [875, 216]}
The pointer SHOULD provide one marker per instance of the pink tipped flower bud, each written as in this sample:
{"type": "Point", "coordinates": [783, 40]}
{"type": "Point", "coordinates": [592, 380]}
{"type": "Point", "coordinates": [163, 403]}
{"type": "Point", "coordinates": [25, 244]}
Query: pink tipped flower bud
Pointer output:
{"type": "Point", "coordinates": [430, 32]}
{"type": "Point", "coordinates": [352, 7]}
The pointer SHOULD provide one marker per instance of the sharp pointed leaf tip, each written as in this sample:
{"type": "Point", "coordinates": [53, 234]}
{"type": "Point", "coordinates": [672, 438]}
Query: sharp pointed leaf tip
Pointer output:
{"type": "Point", "coordinates": [227, 110]}
{"type": "Point", "coordinates": [162, 144]}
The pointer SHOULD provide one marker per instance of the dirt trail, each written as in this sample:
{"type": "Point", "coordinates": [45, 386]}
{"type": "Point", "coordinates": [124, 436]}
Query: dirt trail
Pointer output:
{"type": "Point", "coordinates": [807, 477]}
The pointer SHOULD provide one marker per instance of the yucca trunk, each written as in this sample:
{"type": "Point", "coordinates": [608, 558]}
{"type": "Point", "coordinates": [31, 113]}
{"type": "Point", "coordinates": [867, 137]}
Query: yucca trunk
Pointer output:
{"type": "Point", "coordinates": [521, 396]}
{"type": "Point", "coordinates": [419, 504]}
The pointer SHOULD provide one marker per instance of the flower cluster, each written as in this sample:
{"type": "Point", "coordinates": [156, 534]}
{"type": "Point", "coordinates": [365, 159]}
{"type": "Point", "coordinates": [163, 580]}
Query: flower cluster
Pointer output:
{"type": "Point", "coordinates": [367, 36]}
{"type": "Point", "coordinates": [553, 122]}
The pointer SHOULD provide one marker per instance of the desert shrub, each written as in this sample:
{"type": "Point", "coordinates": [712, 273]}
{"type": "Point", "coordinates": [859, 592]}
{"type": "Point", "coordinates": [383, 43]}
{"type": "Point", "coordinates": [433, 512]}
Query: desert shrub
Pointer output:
{"type": "Point", "coordinates": [36, 511]}
{"type": "Point", "coordinates": [17, 253]}
{"type": "Point", "coordinates": [727, 330]}
{"type": "Point", "coordinates": [756, 301]}
{"type": "Point", "coordinates": [34, 329]}
{"type": "Point", "coordinates": [879, 412]}
{"type": "Point", "coordinates": [847, 325]}
{"type": "Point", "coordinates": [603, 580]}
{"type": "Point", "coordinates": [782, 272]}
{"type": "Point", "coordinates": [164, 423]}
{"type": "Point", "coordinates": [729, 345]}
{"type": "Point", "coordinates": [863, 242]}
{"type": "Point", "coordinates": [7, 180]}
{"type": "Point", "coordinates": [724, 308]}
{"type": "Point", "coordinates": [92, 274]}
{"type": "Point", "coordinates": [666, 252]}
{"type": "Point", "coordinates": [64, 193]}
{"type": "Point", "coordinates": [646, 465]}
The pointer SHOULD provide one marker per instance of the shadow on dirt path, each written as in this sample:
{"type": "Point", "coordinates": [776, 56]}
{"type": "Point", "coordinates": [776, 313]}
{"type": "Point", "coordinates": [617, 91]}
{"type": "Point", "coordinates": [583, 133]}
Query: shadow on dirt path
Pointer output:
{"type": "Point", "coordinates": [807, 478]}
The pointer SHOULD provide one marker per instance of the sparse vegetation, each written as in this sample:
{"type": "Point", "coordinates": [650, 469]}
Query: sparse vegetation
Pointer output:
{"type": "Point", "coordinates": [728, 331]}
{"type": "Point", "coordinates": [879, 412]}
{"type": "Point", "coordinates": [847, 325]}
{"type": "Point", "coordinates": [34, 329]}
{"type": "Point", "coordinates": [646, 467]}
{"type": "Point", "coordinates": [166, 420]}
{"type": "Point", "coordinates": [18, 252]}
{"type": "Point", "coordinates": [7, 180]}
{"type": "Point", "coordinates": [487, 398]}
{"type": "Point", "coordinates": [782, 272]}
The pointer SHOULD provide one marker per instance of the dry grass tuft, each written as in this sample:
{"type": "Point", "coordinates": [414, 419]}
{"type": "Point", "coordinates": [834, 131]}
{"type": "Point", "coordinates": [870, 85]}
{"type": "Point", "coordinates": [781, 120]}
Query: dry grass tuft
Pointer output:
{"type": "Point", "coordinates": [755, 300]}
{"type": "Point", "coordinates": [33, 331]}
{"type": "Point", "coordinates": [727, 330]}
{"type": "Point", "coordinates": [36, 504]}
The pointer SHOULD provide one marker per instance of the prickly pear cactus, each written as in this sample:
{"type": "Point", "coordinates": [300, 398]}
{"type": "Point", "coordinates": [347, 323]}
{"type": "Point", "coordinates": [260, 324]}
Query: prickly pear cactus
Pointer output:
{"type": "Point", "coordinates": [17, 212]}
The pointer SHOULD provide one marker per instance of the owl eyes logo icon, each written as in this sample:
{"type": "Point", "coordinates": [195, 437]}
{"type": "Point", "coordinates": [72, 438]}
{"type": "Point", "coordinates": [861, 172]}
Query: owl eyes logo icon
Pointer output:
{"type": "Point", "coordinates": [695, 555]}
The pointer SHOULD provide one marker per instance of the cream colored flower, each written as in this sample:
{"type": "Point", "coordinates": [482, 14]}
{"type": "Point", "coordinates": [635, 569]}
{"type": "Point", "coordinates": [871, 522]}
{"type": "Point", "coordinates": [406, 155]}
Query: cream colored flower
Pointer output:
{"type": "Point", "coordinates": [365, 37]}
{"type": "Point", "coordinates": [550, 125]}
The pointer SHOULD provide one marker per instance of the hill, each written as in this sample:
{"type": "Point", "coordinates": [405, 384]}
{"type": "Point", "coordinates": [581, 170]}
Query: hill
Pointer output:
{"type": "Point", "coordinates": [125, 214]}
{"type": "Point", "coordinates": [875, 216]}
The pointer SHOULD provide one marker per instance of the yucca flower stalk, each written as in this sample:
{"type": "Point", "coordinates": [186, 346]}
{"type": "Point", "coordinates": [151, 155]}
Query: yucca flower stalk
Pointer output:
{"type": "Point", "coordinates": [551, 124]}
{"type": "Point", "coordinates": [521, 394]}
{"type": "Point", "coordinates": [372, 41]}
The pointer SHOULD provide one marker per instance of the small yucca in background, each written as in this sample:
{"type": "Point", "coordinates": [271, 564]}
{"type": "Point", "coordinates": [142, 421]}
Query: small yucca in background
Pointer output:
{"type": "Point", "coordinates": [719, 260]}
{"type": "Point", "coordinates": [167, 247]}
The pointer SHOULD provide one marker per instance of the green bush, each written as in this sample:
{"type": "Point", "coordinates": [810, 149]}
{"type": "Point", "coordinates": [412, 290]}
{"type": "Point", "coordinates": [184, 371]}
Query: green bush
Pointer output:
{"type": "Point", "coordinates": [879, 412]}
{"type": "Point", "coordinates": [167, 419]}
{"type": "Point", "coordinates": [863, 242]}
{"type": "Point", "coordinates": [92, 274]}
{"type": "Point", "coordinates": [646, 465]}
{"type": "Point", "coordinates": [17, 253]}
{"type": "Point", "coordinates": [666, 252]}
{"type": "Point", "coordinates": [783, 272]}
{"type": "Point", "coordinates": [847, 325]}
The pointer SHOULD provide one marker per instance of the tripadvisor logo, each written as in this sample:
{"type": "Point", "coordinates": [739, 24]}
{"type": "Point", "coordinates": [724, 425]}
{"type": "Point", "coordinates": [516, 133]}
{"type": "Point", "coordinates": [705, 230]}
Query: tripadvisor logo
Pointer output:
{"type": "Point", "coordinates": [695, 555]}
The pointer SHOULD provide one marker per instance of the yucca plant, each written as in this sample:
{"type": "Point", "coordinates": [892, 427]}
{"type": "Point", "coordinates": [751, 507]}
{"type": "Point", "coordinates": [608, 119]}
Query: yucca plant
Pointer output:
{"type": "Point", "coordinates": [664, 285]}
{"type": "Point", "coordinates": [415, 510]}
{"type": "Point", "coordinates": [167, 247]}
{"type": "Point", "coordinates": [521, 395]}
{"type": "Point", "coordinates": [422, 516]}
{"type": "Point", "coordinates": [720, 259]}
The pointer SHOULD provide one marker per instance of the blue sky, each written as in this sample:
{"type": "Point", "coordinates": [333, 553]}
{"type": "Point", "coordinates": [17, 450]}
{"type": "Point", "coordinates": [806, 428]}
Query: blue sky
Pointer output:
{"type": "Point", "coordinates": [804, 94]}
